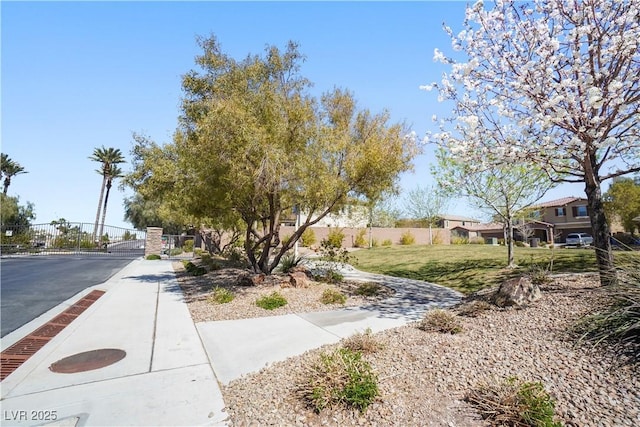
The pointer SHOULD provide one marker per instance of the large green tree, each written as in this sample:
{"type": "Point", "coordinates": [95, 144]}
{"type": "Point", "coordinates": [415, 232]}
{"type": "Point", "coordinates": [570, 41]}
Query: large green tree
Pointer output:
{"type": "Point", "coordinates": [108, 158]}
{"type": "Point", "coordinates": [9, 169]}
{"type": "Point", "coordinates": [622, 200]}
{"type": "Point", "coordinates": [253, 143]}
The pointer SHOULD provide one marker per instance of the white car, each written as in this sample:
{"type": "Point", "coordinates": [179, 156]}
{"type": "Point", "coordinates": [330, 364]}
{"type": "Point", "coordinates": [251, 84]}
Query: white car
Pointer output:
{"type": "Point", "coordinates": [579, 239]}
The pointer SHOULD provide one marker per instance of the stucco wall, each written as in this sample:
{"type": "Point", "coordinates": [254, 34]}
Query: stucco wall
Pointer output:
{"type": "Point", "coordinates": [421, 235]}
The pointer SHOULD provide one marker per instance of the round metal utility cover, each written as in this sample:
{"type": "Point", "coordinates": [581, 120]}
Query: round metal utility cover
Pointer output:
{"type": "Point", "coordinates": [88, 360]}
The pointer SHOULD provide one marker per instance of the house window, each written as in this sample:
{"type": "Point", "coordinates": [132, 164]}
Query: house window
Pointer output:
{"type": "Point", "coordinates": [579, 211]}
{"type": "Point", "coordinates": [561, 211]}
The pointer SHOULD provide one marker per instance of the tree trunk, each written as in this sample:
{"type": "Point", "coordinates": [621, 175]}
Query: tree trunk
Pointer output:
{"type": "Point", "coordinates": [7, 182]}
{"type": "Point", "coordinates": [95, 227]}
{"type": "Point", "coordinates": [509, 242]}
{"type": "Point", "coordinates": [104, 210]}
{"type": "Point", "coordinates": [600, 231]}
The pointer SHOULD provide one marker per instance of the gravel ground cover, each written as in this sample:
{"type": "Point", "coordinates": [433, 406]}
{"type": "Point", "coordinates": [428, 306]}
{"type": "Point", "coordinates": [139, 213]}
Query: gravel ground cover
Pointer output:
{"type": "Point", "coordinates": [423, 376]}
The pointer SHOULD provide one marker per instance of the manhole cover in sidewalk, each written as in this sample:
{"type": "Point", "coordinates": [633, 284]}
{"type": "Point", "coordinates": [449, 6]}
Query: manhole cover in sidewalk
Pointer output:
{"type": "Point", "coordinates": [88, 361]}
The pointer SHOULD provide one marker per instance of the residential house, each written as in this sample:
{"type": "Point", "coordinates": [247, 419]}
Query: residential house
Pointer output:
{"type": "Point", "coordinates": [453, 221]}
{"type": "Point", "coordinates": [557, 218]}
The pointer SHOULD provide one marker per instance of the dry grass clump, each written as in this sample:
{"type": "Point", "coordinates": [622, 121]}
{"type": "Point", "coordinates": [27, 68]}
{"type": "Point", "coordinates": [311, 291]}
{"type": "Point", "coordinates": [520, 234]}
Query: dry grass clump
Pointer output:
{"type": "Point", "coordinates": [364, 342]}
{"type": "Point", "coordinates": [473, 308]}
{"type": "Point", "coordinates": [339, 377]}
{"type": "Point", "coordinates": [332, 296]}
{"type": "Point", "coordinates": [439, 320]}
{"type": "Point", "coordinates": [515, 403]}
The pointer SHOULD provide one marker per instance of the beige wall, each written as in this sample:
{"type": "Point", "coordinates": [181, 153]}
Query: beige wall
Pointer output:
{"type": "Point", "coordinates": [380, 234]}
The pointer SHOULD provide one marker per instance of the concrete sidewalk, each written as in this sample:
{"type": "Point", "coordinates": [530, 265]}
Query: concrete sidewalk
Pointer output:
{"type": "Point", "coordinates": [164, 379]}
{"type": "Point", "coordinates": [239, 347]}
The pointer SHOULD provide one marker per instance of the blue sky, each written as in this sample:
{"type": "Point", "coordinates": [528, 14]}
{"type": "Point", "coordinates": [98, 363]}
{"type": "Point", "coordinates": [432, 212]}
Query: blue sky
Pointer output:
{"type": "Point", "coordinates": [76, 76]}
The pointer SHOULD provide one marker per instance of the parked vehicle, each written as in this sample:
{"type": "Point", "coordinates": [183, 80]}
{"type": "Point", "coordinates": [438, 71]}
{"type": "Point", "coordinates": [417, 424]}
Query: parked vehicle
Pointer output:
{"type": "Point", "coordinates": [579, 239]}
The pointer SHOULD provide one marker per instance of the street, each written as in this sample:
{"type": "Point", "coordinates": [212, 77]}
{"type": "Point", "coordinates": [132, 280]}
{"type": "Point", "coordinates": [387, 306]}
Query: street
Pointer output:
{"type": "Point", "coordinates": [32, 285]}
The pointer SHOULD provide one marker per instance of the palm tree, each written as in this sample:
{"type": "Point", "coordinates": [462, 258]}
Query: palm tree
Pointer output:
{"type": "Point", "coordinates": [107, 157]}
{"type": "Point", "coordinates": [114, 172]}
{"type": "Point", "coordinates": [9, 169]}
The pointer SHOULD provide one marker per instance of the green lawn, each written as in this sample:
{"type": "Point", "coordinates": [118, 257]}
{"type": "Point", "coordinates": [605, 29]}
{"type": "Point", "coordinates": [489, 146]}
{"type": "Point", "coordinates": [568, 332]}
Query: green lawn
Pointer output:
{"type": "Point", "coordinates": [468, 268]}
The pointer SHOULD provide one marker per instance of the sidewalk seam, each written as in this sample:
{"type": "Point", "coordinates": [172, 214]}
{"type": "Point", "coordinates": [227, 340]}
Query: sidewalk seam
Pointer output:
{"type": "Point", "coordinates": [155, 328]}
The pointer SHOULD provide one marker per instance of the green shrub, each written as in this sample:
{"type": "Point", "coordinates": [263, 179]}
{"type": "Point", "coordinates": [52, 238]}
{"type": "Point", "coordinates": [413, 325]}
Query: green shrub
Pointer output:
{"type": "Point", "coordinates": [194, 270]}
{"type": "Point", "coordinates": [331, 296]}
{"type": "Point", "coordinates": [334, 238]}
{"type": "Point", "coordinates": [458, 240]}
{"type": "Point", "coordinates": [175, 251]}
{"type": "Point", "coordinates": [439, 320]}
{"type": "Point", "coordinates": [288, 262]}
{"type": "Point", "coordinates": [340, 377]}
{"type": "Point", "coordinates": [387, 242]}
{"type": "Point", "coordinates": [271, 301]}
{"type": "Point", "coordinates": [519, 244]}
{"type": "Point", "coordinates": [308, 238]}
{"type": "Point", "coordinates": [363, 342]}
{"type": "Point", "coordinates": [153, 257]}
{"type": "Point", "coordinates": [220, 296]}
{"type": "Point", "coordinates": [515, 403]}
{"type": "Point", "coordinates": [407, 238]}
{"type": "Point", "coordinates": [187, 246]}
{"type": "Point", "coordinates": [330, 276]}
{"type": "Point", "coordinates": [360, 241]}
{"type": "Point", "coordinates": [476, 241]}
{"type": "Point", "coordinates": [368, 289]}
{"type": "Point", "coordinates": [199, 252]}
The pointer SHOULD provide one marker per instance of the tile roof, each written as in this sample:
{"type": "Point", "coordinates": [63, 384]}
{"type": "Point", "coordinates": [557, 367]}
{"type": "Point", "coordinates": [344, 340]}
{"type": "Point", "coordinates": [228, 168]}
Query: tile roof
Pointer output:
{"type": "Point", "coordinates": [558, 202]}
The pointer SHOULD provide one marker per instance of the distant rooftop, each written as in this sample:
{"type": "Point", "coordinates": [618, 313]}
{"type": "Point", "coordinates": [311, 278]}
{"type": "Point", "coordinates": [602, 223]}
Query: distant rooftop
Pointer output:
{"type": "Point", "coordinates": [458, 218]}
{"type": "Point", "coordinates": [558, 202]}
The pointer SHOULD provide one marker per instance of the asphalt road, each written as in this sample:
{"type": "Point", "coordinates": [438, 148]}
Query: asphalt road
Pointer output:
{"type": "Point", "coordinates": [32, 285]}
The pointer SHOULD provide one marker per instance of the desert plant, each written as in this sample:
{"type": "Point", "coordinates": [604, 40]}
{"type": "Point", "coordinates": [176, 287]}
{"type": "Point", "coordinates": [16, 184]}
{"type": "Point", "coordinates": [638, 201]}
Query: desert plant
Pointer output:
{"type": "Point", "coordinates": [459, 240]}
{"type": "Point", "coordinates": [175, 251]}
{"type": "Point", "coordinates": [360, 241]}
{"type": "Point", "coordinates": [271, 301]}
{"type": "Point", "coordinates": [187, 246]}
{"type": "Point", "coordinates": [288, 262]}
{"type": "Point", "coordinates": [439, 320]}
{"type": "Point", "coordinates": [368, 289]}
{"type": "Point", "coordinates": [407, 238]}
{"type": "Point", "coordinates": [193, 269]}
{"type": "Point", "coordinates": [340, 377]}
{"type": "Point", "coordinates": [515, 403]}
{"type": "Point", "coordinates": [387, 242]}
{"type": "Point", "coordinates": [473, 308]}
{"type": "Point", "coordinates": [374, 243]}
{"type": "Point", "coordinates": [619, 321]}
{"type": "Point", "coordinates": [538, 275]}
{"type": "Point", "coordinates": [308, 238]}
{"type": "Point", "coordinates": [153, 257]}
{"type": "Point", "coordinates": [332, 296]}
{"type": "Point", "coordinates": [364, 342]}
{"type": "Point", "coordinates": [334, 238]}
{"type": "Point", "coordinates": [220, 296]}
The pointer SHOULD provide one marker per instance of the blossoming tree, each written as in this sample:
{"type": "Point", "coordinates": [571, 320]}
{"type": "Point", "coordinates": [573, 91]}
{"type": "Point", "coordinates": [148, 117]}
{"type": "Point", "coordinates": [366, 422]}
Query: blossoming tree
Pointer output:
{"type": "Point", "coordinates": [563, 73]}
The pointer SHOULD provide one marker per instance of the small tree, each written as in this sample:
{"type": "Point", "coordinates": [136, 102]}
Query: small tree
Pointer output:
{"type": "Point", "coordinates": [504, 191]}
{"type": "Point", "coordinates": [622, 201]}
{"type": "Point", "coordinates": [426, 204]}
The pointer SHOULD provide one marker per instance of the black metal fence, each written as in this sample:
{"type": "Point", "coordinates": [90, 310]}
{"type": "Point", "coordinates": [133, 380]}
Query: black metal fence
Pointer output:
{"type": "Point", "coordinates": [70, 238]}
{"type": "Point", "coordinates": [178, 246]}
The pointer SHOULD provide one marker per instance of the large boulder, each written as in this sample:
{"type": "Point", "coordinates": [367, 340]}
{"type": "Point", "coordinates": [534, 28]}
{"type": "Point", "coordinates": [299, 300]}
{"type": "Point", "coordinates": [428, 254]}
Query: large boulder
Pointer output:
{"type": "Point", "coordinates": [517, 292]}
{"type": "Point", "coordinates": [298, 279]}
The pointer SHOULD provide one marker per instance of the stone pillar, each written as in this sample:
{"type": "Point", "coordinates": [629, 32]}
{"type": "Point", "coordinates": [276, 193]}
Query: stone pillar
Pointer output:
{"type": "Point", "coordinates": [153, 244]}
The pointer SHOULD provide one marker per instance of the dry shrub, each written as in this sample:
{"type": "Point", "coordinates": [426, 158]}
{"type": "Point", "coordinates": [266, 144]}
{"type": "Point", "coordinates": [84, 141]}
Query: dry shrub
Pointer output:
{"type": "Point", "coordinates": [364, 342]}
{"type": "Point", "coordinates": [340, 377]}
{"type": "Point", "coordinates": [514, 403]}
{"type": "Point", "coordinates": [474, 308]}
{"type": "Point", "coordinates": [439, 320]}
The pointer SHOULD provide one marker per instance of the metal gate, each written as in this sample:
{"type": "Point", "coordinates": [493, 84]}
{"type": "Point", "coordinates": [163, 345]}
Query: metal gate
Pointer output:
{"type": "Point", "coordinates": [75, 238]}
{"type": "Point", "coordinates": [178, 246]}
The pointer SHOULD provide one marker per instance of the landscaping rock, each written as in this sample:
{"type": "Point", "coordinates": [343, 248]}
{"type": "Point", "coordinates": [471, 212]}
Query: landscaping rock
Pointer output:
{"type": "Point", "coordinates": [301, 269]}
{"type": "Point", "coordinates": [251, 279]}
{"type": "Point", "coordinates": [298, 279]}
{"type": "Point", "coordinates": [517, 292]}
